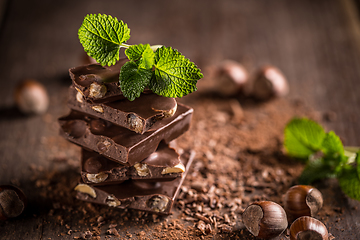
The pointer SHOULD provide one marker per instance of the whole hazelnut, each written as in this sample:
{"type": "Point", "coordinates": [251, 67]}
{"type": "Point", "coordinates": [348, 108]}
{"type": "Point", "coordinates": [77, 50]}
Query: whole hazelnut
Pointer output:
{"type": "Point", "coordinates": [302, 200]}
{"type": "Point", "coordinates": [265, 219]}
{"type": "Point", "coordinates": [305, 228]}
{"type": "Point", "coordinates": [12, 202]}
{"type": "Point", "coordinates": [231, 78]}
{"type": "Point", "coordinates": [31, 97]}
{"type": "Point", "coordinates": [268, 83]}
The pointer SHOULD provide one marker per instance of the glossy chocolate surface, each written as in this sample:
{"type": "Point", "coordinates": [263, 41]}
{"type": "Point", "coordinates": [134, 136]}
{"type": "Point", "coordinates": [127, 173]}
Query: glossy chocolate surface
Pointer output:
{"type": "Point", "coordinates": [138, 115]}
{"type": "Point", "coordinates": [83, 76]}
{"type": "Point", "coordinates": [153, 197]}
{"type": "Point", "coordinates": [121, 144]}
{"type": "Point", "coordinates": [150, 169]}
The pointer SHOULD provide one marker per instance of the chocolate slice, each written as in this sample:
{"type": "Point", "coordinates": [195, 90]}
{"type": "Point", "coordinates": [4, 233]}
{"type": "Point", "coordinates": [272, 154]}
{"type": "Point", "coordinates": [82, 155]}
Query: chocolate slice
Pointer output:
{"type": "Point", "coordinates": [156, 197]}
{"type": "Point", "coordinates": [138, 115]}
{"type": "Point", "coordinates": [162, 165]}
{"type": "Point", "coordinates": [121, 144]}
{"type": "Point", "coordinates": [98, 83]}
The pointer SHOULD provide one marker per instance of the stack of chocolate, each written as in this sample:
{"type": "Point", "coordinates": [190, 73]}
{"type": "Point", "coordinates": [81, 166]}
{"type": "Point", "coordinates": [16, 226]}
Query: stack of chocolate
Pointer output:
{"type": "Point", "coordinates": [128, 158]}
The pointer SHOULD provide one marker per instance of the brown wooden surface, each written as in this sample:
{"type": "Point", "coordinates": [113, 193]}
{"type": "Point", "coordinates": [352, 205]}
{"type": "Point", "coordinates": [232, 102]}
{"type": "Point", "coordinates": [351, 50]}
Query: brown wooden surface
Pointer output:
{"type": "Point", "coordinates": [315, 43]}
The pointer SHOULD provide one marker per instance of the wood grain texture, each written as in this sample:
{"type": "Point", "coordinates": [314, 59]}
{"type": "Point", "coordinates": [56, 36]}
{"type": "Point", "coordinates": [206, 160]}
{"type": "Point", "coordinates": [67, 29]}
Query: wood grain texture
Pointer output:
{"type": "Point", "coordinates": [315, 44]}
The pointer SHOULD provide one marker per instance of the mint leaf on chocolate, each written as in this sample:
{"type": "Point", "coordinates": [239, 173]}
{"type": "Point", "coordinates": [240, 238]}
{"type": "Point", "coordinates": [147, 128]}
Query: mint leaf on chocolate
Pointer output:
{"type": "Point", "coordinates": [175, 75]}
{"type": "Point", "coordinates": [102, 36]}
{"type": "Point", "coordinates": [134, 79]}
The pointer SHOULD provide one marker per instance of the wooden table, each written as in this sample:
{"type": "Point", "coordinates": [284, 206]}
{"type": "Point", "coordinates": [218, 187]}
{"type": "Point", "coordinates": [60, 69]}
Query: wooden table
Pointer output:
{"type": "Point", "coordinates": [315, 43]}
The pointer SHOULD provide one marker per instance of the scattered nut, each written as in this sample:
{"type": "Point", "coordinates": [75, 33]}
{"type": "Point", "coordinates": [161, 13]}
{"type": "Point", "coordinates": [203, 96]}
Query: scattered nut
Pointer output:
{"type": "Point", "coordinates": [31, 97]}
{"type": "Point", "coordinates": [84, 188]}
{"type": "Point", "coordinates": [270, 82]}
{"type": "Point", "coordinates": [179, 168]}
{"type": "Point", "coordinates": [142, 169]}
{"type": "Point", "coordinates": [98, 108]}
{"type": "Point", "coordinates": [158, 203]}
{"type": "Point", "coordinates": [112, 201]}
{"type": "Point", "coordinates": [97, 90]}
{"type": "Point", "coordinates": [12, 202]}
{"type": "Point", "coordinates": [231, 77]}
{"type": "Point", "coordinates": [135, 123]}
{"type": "Point", "coordinates": [265, 219]}
{"type": "Point", "coordinates": [302, 200]}
{"type": "Point", "coordinates": [97, 177]}
{"type": "Point", "coordinates": [307, 227]}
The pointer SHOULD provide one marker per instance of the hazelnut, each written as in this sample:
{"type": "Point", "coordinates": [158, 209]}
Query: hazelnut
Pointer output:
{"type": "Point", "coordinates": [12, 202]}
{"type": "Point", "coordinates": [79, 97]}
{"type": "Point", "coordinates": [158, 203]}
{"type": "Point", "coordinates": [92, 165]}
{"type": "Point", "coordinates": [135, 123]}
{"type": "Point", "coordinates": [179, 168]}
{"type": "Point", "coordinates": [97, 126]}
{"type": "Point", "coordinates": [302, 200]}
{"type": "Point", "coordinates": [97, 91]}
{"type": "Point", "coordinates": [98, 108]}
{"type": "Point", "coordinates": [265, 219]}
{"type": "Point", "coordinates": [97, 177]}
{"type": "Point", "coordinates": [112, 201]}
{"type": "Point", "coordinates": [142, 169]}
{"type": "Point", "coordinates": [75, 128]}
{"type": "Point", "coordinates": [31, 97]}
{"type": "Point", "coordinates": [84, 188]}
{"type": "Point", "coordinates": [231, 77]}
{"type": "Point", "coordinates": [270, 82]}
{"type": "Point", "coordinates": [307, 227]}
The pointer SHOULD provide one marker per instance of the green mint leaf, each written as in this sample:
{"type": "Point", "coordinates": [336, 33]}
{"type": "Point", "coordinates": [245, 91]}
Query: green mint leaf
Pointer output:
{"type": "Point", "coordinates": [303, 137]}
{"type": "Point", "coordinates": [357, 160]}
{"type": "Point", "coordinates": [134, 52]}
{"type": "Point", "coordinates": [142, 53]}
{"type": "Point", "coordinates": [133, 80]}
{"type": "Point", "coordinates": [332, 145]}
{"type": "Point", "coordinates": [315, 170]}
{"type": "Point", "coordinates": [349, 182]}
{"type": "Point", "coordinates": [175, 75]}
{"type": "Point", "coordinates": [102, 36]}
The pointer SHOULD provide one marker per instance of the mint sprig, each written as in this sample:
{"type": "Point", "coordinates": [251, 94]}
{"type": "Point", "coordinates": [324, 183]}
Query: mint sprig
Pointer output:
{"type": "Point", "coordinates": [324, 155]}
{"type": "Point", "coordinates": [163, 70]}
{"type": "Point", "coordinates": [102, 36]}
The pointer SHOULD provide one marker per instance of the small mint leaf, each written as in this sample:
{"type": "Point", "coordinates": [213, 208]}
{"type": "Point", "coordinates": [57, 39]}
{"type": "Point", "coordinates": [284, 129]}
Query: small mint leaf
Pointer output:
{"type": "Point", "coordinates": [133, 80]}
{"type": "Point", "coordinates": [101, 36]}
{"type": "Point", "coordinates": [142, 53]}
{"type": "Point", "coordinates": [134, 52]}
{"type": "Point", "coordinates": [315, 170]}
{"type": "Point", "coordinates": [357, 160]}
{"type": "Point", "coordinates": [332, 145]}
{"type": "Point", "coordinates": [175, 75]}
{"type": "Point", "coordinates": [303, 137]}
{"type": "Point", "coordinates": [349, 182]}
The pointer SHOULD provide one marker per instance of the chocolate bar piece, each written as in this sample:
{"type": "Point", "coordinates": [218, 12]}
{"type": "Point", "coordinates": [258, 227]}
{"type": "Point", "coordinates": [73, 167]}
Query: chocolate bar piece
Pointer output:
{"type": "Point", "coordinates": [98, 83]}
{"type": "Point", "coordinates": [138, 115]}
{"type": "Point", "coordinates": [162, 165]}
{"type": "Point", "coordinates": [156, 197]}
{"type": "Point", "coordinates": [121, 144]}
